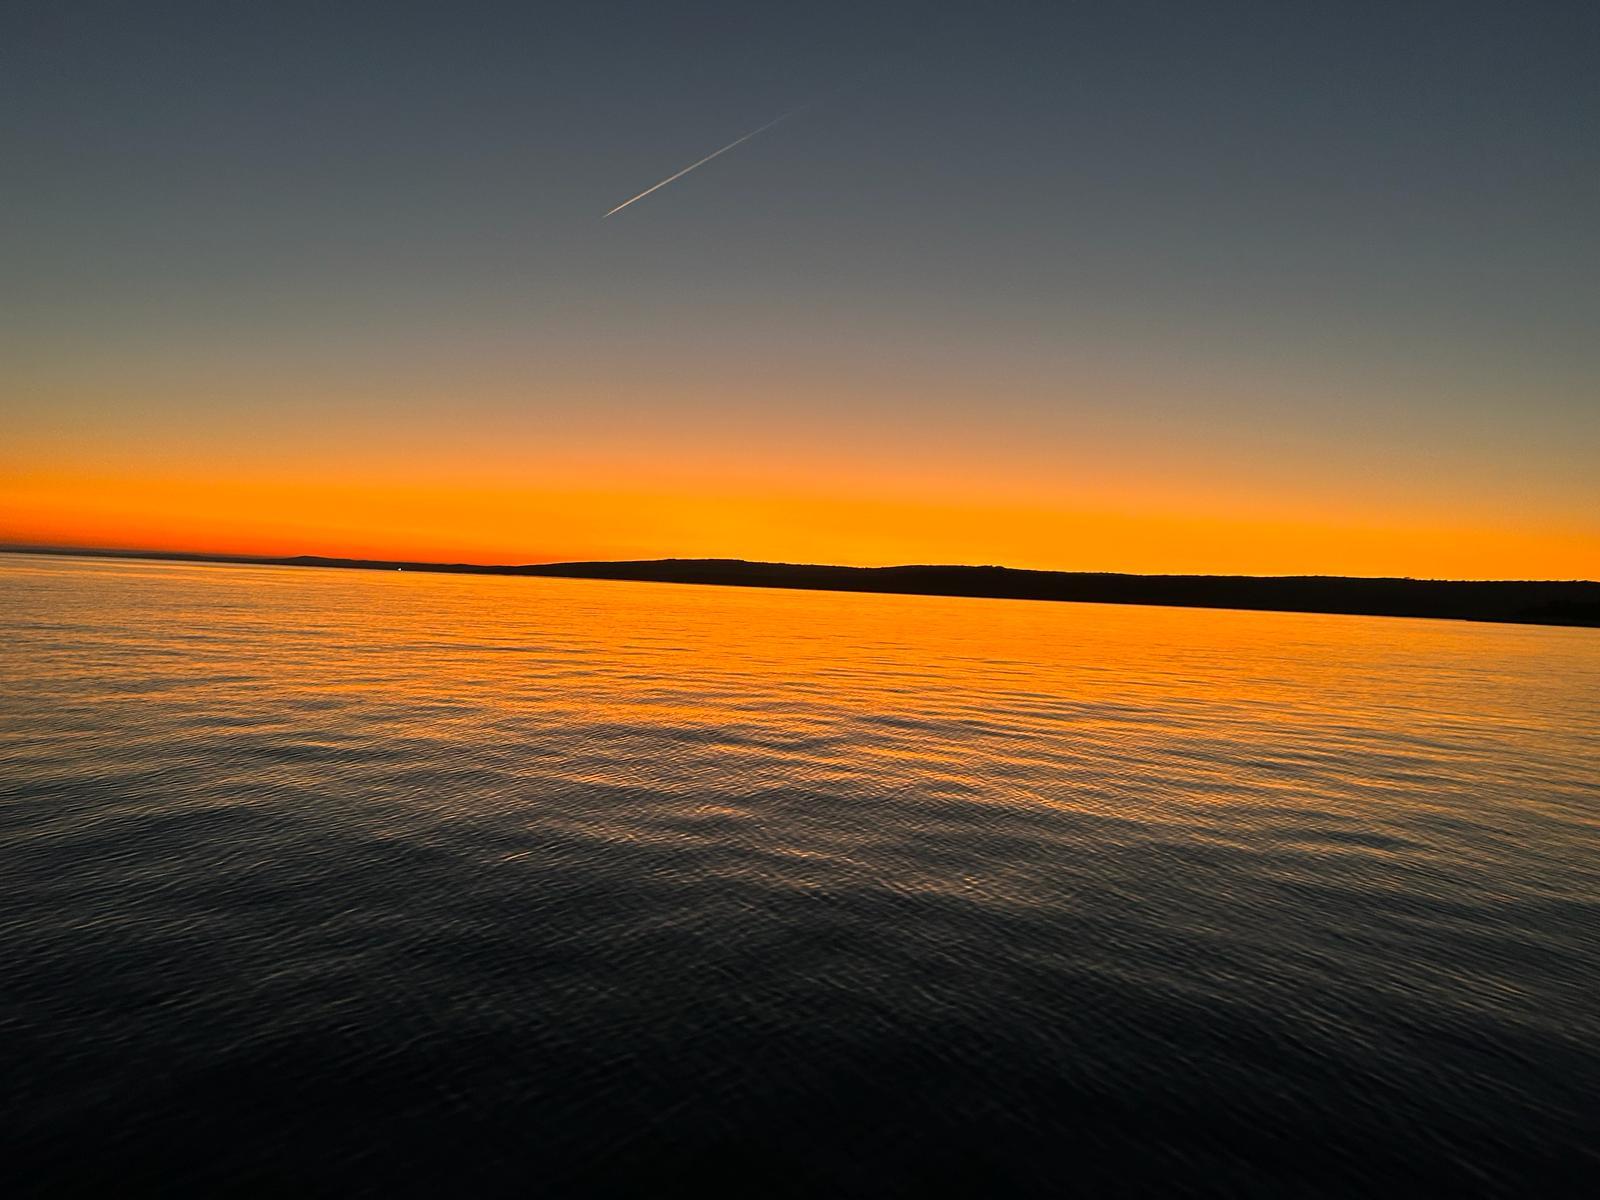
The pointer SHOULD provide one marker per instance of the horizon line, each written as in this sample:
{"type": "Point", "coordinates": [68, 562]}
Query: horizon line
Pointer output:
{"type": "Point", "coordinates": [463, 567]}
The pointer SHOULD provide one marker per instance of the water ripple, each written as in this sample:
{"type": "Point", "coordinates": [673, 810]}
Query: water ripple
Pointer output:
{"type": "Point", "coordinates": [351, 883]}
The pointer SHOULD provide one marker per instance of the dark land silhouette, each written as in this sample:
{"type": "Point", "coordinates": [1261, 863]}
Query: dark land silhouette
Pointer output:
{"type": "Point", "coordinates": [1531, 602]}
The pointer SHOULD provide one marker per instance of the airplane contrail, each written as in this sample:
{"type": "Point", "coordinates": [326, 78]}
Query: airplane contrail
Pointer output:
{"type": "Point", "coordinates": [709, 157]}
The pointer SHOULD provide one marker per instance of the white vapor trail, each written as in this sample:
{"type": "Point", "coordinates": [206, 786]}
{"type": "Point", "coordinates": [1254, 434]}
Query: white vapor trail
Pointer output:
{"type": "Point", "coordinates": [709, 157]}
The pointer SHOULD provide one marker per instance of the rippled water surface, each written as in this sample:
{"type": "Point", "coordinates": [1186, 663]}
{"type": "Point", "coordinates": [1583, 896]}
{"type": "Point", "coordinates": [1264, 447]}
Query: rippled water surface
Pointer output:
{"type": "Point", "coordinates": [358, 883]}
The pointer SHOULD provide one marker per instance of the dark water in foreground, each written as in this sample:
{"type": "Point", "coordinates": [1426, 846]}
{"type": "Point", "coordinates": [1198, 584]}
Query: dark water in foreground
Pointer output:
{"type": "Point", "coordinates": [318, 882]}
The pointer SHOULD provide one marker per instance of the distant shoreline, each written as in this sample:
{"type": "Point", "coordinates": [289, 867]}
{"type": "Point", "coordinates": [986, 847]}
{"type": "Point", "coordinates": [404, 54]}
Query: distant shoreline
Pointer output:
{"type": "Point", "coordinates": [1527, 602]}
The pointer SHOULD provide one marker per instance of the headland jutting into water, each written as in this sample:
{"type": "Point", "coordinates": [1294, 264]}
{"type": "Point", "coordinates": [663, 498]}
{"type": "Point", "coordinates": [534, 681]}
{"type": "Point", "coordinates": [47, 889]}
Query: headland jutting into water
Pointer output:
{"type": "Point", "coordinates": [1530, 602]}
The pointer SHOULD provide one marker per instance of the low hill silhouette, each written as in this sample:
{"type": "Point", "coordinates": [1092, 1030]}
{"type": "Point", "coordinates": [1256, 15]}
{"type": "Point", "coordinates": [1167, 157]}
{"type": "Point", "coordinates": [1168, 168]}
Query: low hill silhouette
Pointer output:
{"type": "Point", "coordinates": [1534, 602]}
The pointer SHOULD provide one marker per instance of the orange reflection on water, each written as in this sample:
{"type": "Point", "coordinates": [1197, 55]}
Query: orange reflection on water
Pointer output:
{"type": "Point", "coordinates": [699, 690]}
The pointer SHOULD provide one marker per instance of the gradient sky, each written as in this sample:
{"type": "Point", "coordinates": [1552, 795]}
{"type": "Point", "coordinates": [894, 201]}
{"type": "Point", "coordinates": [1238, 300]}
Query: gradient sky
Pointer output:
{"type": "Point", "coordinates": [1264, 288]}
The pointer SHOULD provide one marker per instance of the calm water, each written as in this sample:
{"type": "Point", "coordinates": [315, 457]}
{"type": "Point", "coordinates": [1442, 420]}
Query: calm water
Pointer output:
{"type": "Point", "coordinates": [323, 882]}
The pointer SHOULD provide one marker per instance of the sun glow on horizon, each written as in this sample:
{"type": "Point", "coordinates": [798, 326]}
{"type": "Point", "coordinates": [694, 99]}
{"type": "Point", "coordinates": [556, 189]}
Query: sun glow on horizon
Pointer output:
{"type": "Point", "coordinates": [453, 520]}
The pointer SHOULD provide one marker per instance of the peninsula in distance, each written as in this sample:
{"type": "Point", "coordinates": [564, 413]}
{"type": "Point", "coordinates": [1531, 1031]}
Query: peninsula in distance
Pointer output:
{"type": "Point", "coordinates": [1529, 602]}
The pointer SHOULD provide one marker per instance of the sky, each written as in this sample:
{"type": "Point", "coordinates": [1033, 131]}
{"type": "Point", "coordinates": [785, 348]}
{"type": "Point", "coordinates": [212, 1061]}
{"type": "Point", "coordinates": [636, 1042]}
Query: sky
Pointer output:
{"type": "Point", "coordinates": [1165, 287]}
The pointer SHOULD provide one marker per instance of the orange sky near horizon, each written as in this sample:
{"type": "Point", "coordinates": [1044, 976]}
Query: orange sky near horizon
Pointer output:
{"type": "Point", "coordinates": [444, 518]}
{"type": "Point", "coordinates": [1116, 465]}
{"type": "Point", "coordinates": [1091, 463]}
{"type": "Point", "coordinates": [1088, 470]}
